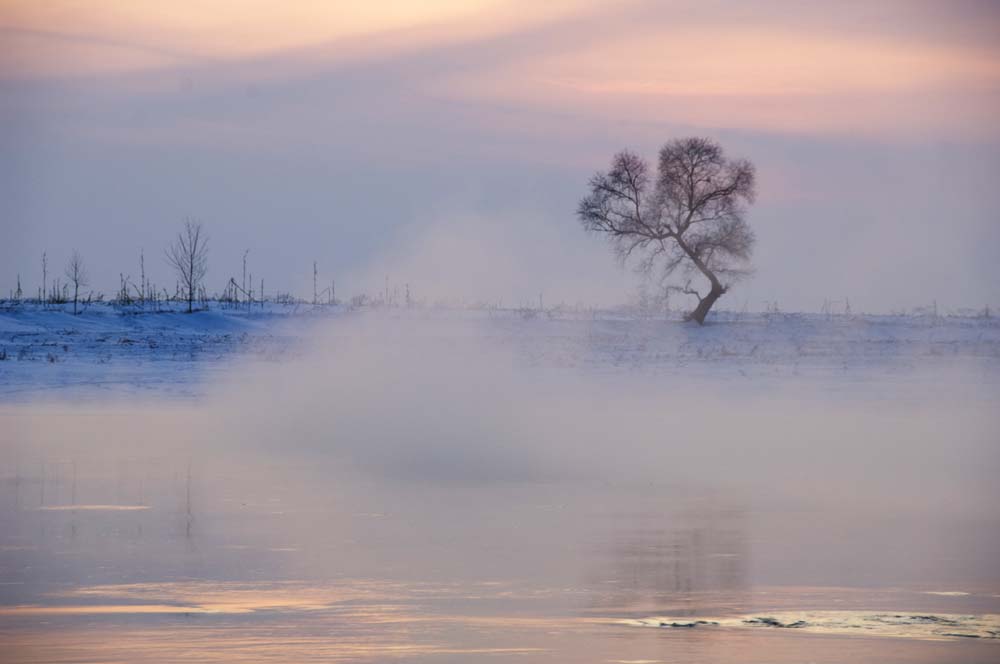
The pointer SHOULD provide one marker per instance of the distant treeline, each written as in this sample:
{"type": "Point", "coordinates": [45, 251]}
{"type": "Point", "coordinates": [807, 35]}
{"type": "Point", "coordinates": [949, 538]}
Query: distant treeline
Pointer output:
{"type": "Point", "coordinates": [188, 258]}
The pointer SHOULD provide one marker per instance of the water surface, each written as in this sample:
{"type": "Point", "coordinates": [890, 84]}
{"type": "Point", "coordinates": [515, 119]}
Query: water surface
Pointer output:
{"type": "Point", "coordinates": [444, 494]}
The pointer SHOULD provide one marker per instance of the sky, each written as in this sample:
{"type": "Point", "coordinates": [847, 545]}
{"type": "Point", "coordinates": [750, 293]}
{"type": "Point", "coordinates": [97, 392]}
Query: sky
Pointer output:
{"type": "Point", "coordinates": [445, 144]}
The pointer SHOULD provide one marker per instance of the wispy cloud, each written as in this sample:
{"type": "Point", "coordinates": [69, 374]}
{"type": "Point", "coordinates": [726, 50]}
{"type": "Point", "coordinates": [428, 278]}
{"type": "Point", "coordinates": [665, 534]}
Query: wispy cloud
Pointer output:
{"type": "Point", "coordinates": [360, 130]}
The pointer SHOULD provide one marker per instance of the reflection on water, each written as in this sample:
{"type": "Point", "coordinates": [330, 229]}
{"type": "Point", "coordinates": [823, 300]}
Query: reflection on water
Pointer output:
{"type": "Point", "coordinates": [679, 558]}
{"type": "Point", "coordinates": [250, 559]}
{"type": "Point", "coordinates": [388, 505]}
{"type": "Point", "coordinates": [366, 620]}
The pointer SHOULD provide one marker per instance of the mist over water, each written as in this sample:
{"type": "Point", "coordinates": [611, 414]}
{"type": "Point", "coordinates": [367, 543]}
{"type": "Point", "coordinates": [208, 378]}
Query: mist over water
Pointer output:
{"type": "Point", "coordinates": [436, 450]}
{"type": "Point", "coordinates": [439, 486]}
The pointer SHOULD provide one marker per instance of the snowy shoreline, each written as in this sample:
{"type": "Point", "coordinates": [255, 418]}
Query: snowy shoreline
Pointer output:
{"type": "Point", "coordinates": [49, 350]}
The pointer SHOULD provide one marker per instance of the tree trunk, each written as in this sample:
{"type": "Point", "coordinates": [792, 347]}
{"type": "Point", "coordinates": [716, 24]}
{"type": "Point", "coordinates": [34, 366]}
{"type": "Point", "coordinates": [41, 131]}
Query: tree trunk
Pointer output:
{"type": "Point", "coordinates": [190, 300]}
{"type": "Point", "coordinates": [76, 292]}
{"type": "Point", "coordinates": [704, 304]}
{"type": "Point", "coordinates": [717, 291]}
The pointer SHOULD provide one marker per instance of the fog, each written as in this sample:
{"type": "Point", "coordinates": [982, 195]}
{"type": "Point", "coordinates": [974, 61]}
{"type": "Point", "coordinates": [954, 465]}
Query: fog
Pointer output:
{"type": "Point", "coordinates": [422, 448]}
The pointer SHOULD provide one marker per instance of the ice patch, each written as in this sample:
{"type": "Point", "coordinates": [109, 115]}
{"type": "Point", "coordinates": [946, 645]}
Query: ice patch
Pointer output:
{"type": "Point", "coordinates": [898, 625]}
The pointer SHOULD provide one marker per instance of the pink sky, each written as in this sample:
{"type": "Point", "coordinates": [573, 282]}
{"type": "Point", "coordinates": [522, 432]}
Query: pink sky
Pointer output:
{"type": "Point", "coordinates": [884, 67]}
{"type": "Point", "coordinates": [401, 91]}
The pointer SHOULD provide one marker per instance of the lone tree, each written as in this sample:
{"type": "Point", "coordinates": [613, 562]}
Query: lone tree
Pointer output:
{"type": "Point", "coordinates": [76, 272]}
{"type": "Point", "coordinates": [687, 222]}
{"type": "Point", "coordinates": [188, 255]}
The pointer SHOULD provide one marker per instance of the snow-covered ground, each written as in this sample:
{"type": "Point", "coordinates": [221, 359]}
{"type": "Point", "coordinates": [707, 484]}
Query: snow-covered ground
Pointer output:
{"type": "Point", "coordinates": [46, 351]}
{"type": "Point", "coordinates": [52, 352]}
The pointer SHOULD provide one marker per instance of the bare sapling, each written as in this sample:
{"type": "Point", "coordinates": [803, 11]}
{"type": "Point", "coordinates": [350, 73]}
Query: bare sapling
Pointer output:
{"type": "Point", "coordinates": [76, 273]}
{"type": "Point", "coordinates": [188, 255]}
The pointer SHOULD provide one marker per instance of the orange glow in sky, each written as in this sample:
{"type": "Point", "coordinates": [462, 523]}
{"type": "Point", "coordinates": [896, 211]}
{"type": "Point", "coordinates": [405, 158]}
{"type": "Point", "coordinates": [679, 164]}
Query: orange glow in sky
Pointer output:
{"type": "Point", "coordinates": [798, 68]}
{"type": "Point", "coordinates": [62, 37]}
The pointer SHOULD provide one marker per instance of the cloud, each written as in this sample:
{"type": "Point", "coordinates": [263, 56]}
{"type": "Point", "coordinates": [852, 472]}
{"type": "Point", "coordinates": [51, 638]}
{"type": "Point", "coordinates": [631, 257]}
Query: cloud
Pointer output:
{"type": "Point", "coordinates": [63, 39]}
{"type": "Point", "coordinates": [388, 150]}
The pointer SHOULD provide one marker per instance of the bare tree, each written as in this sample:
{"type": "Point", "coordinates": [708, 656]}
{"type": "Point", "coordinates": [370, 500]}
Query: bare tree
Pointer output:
{"type": "Point", "coordinates": [188, 255]}
{"type": "Point", "coordinates": [76, 272]}
{"type": "Point", "coordinates": [688, 222]}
